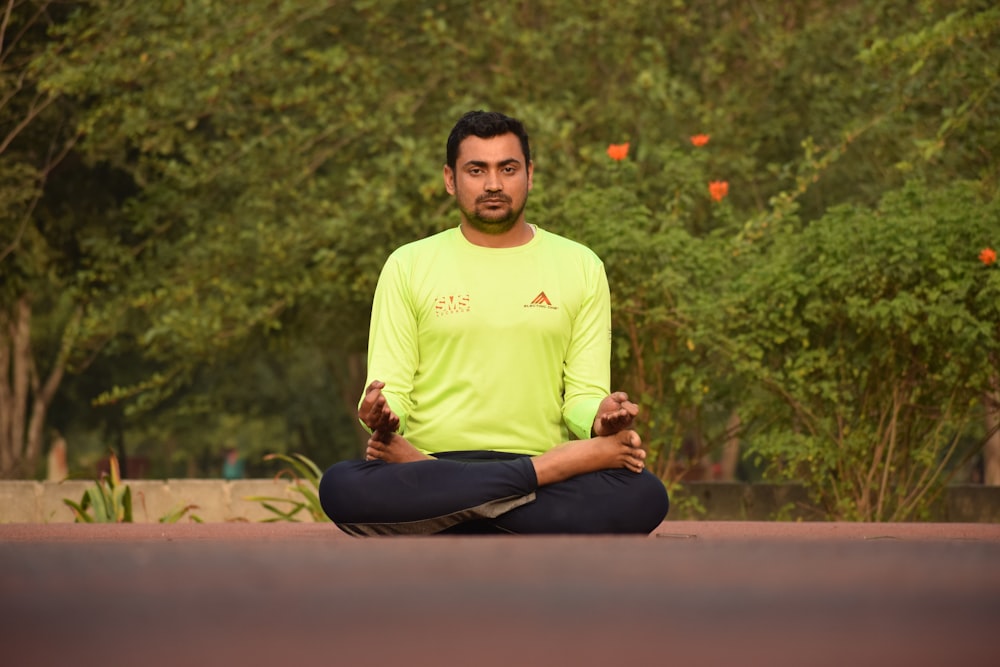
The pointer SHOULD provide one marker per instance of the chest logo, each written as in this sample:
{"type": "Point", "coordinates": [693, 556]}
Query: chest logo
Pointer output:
{"type": "Point", "coordinates": [541, 301]}
{"type": "Point", "coordinates": [452, 304]}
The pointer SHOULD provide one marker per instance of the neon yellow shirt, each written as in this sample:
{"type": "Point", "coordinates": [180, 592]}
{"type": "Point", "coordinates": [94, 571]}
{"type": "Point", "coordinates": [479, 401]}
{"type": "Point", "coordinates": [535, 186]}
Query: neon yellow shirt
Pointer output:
{"type": "Point", "coordinates": [495, 349]}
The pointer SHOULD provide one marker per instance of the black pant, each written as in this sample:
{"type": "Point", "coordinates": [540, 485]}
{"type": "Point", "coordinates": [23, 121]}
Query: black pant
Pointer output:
{"type": "Point", "coordinates": [486, 492]}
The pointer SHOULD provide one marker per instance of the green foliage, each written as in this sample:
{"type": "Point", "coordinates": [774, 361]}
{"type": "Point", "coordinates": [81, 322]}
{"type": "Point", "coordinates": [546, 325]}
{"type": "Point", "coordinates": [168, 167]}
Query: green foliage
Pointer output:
{"type": "Point", "coordinates": [231, 177]}
{"type": "Point", "coordinates": [657, 270]}
{"type": "Point", "coordinates": [175, 515]}
{"type": "Point", "coordinates": [305, 477]}
{"type": "Point", "coordinates": [683, 505]}
{"type": "Point", "coordinates": [109, 500]}
{"type": "Point", "coordinates": [870, 337]}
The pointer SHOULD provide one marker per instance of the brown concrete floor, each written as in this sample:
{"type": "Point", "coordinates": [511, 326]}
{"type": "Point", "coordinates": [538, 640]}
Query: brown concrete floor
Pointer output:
{"type": "Point", "coordinates": [694, 593]}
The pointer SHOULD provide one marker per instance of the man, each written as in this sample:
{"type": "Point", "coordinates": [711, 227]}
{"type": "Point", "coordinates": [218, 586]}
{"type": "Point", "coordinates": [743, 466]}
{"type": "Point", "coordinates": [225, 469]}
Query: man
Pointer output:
{"type": "Point", "coordinates": [490, 345]}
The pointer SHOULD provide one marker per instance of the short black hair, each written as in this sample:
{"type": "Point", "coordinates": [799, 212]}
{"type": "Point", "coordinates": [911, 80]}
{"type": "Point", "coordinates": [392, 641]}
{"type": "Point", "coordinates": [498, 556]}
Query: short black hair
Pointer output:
{"type": "Point", "coordinates": [485, 124]}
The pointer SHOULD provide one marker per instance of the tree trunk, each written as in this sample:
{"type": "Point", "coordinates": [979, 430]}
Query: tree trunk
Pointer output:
{"type": "Point", "coordinates": [731, 449]}
{"type": "Point", "coordinates": [991, 449]}
{"type": "Point", "coordinates": [58, 468]}
{"type": "Point", "coordinates": [15, 340]}
{"type": "Point", "coordinates": [6, 399]}
{"type": "Point", "coordinates": [24, 399]}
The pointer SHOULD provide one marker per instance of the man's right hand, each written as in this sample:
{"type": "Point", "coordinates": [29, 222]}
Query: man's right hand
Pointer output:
{"type": "Point", "coordinates": [616, 413]}
{"type": "Point", "coordinates": [374, 411]}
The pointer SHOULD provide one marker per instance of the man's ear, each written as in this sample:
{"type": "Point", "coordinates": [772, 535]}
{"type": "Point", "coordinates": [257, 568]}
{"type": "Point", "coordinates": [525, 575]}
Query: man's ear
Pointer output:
{"type": "Point", "coordinates": [531, 176]}
{"type": "Point", "coordinates": [449, 180]}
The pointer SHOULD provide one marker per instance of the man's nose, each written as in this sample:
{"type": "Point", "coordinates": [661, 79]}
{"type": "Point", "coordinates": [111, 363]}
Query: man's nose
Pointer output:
{"type": "Point", "coordinates": [493, 182]}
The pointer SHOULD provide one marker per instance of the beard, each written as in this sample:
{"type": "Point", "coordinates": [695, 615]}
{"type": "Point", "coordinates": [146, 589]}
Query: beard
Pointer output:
{"type": "Point", "coordinates": [490, 218]}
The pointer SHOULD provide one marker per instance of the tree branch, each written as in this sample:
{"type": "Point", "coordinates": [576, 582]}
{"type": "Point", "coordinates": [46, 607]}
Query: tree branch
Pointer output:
{"type": "Point", "coordinates": [6, 397]}
{"type": "Point", "coordinates": [45, 393]}
{"type": "Point", "coordinates": [20, 334]}
{"type": "Point", "coordinates": [43, 177]}
{"type": "Point", "coordinates": [3, 25]}
{"type": "Point", "coordinates": [33, 113]}
{"type": "Point", "coordinates": [17, 38]}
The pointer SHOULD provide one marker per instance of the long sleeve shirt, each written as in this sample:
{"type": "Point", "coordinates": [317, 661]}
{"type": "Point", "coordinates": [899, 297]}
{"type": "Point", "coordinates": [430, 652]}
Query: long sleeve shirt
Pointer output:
{"type": "Point", "coordinates": [492, 349]}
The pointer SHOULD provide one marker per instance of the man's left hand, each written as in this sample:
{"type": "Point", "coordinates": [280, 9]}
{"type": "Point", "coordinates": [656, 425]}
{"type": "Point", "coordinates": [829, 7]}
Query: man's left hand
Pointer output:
{"type": "Point", "coordinates": [615, 413]}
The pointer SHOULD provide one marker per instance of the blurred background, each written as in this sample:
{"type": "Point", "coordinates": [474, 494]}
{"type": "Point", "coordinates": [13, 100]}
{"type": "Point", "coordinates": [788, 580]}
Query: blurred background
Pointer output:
{"type": "Point", "coordinates": [796, 203]}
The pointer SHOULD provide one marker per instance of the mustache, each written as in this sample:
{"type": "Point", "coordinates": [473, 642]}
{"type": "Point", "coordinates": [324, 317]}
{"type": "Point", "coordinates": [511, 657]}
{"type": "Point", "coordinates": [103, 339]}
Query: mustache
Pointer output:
{"type": "Point", "coordinates": [494, 197]}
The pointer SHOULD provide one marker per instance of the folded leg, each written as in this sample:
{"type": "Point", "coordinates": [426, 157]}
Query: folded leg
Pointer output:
{"type": "Point", "coordinates": [604, 502]}
{"type": "Point", "coordinates": [472, 493]}
{"type": "Point", "coordinates": [422, 497]}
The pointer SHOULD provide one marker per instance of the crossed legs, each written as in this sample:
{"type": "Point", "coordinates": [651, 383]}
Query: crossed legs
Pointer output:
{"type": "Point", "coordinates": [585, 486]}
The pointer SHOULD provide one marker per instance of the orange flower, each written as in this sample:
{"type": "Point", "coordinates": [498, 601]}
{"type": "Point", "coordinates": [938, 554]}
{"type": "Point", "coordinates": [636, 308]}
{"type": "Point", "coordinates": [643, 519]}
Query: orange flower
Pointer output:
{"type": "Point", "coordinates": [700, 139]}
{"type": "Point", "coordinates": [987, 256]}
{"type": "Point", "coordinates": [718, 190]}
{"type": "Point", "coordinates": [618, 152]}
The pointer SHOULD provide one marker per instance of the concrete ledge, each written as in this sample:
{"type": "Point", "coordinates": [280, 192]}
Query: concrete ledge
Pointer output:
{"type": "Point", "coordinates": [213, 500]}
{"type": "Point", "coordinates": [972, 503]}
{"type": "Point", "coordinates": [727, 501]}
{"type": "Point", "coordinates": [217, 500]}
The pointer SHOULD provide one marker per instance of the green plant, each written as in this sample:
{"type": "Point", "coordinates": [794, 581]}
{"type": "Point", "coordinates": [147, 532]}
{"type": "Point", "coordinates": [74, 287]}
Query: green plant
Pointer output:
{"type": "Point", "coordinates": [867, 340]}
{"type": "Point", "coordinates": [787, 512]}
{"type": "Point", "coordinates": [174, 516]}
{"type": "Point", "coordinates": [109, 499]}
{"type": "Point", "coordinates": [684, 504]}
{"type": "Point", "coordinates": [304, 476]}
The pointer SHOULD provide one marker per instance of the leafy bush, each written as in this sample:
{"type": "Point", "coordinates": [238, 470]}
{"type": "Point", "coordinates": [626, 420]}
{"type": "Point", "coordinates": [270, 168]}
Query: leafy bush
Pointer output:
{"type": "Point", "coordinates": [111, 502]}
{"type": "Point", "coordinates": [305, 476]}
{"type": "Point", "coordinates": [109, 499]}
{"type": "Point", "coordinates": [869, 338]}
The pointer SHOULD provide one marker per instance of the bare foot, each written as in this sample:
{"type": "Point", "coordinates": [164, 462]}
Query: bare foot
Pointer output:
{"type": "Point", "coordinates": [392, 448]}
{"type": "Point", "coordinates": [621, 450]}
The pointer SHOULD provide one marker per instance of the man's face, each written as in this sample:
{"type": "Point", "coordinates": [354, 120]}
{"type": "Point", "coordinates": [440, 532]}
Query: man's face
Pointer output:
{"type": "Point", "coordinates": [490, 182]}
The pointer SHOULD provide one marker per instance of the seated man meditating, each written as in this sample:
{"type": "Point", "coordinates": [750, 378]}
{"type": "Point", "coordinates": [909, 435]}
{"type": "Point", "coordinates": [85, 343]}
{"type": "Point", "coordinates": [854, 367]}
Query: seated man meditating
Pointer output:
{"type": "Point", "coordinates": [489, 349]}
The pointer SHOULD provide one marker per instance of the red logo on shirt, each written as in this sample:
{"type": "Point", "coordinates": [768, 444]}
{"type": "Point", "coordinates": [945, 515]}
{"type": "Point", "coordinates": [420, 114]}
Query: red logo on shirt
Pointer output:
{"type": "Point", "coordinates": [451, 304]}
{"type": "Point", "coordinates": [541, 301]}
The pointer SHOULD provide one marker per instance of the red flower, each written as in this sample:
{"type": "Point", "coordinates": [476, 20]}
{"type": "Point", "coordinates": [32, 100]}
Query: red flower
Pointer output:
{"type": "Point", "coordinates": [618, 152]}
{"type": "Point", "coordinates": [718, 190]}
{"type": "Point", "coordinates": [700, 139]}
{"type": "Point", "coordinates": [987, 256]}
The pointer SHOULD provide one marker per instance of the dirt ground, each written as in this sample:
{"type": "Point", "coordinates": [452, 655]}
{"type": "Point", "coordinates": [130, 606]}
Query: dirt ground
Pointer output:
{"type": "Point", "coordinates": [693, 593]}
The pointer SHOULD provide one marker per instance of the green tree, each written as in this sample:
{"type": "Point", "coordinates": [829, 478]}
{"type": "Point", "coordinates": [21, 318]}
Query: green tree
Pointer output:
{"type": "Point", "coordinates": [39, 260]}
{"type": "Point", "coordinates": [870, 335]}
{"type": "Point", "coordinates": [237, 173]}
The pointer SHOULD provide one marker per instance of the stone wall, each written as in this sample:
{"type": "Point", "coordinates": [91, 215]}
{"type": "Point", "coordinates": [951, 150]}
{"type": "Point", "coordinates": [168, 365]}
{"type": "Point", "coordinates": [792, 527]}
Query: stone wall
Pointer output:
{"type": "Point", "coordinates": [722, 501]}
{"type": "Point", "coordinates": [216, 500]}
